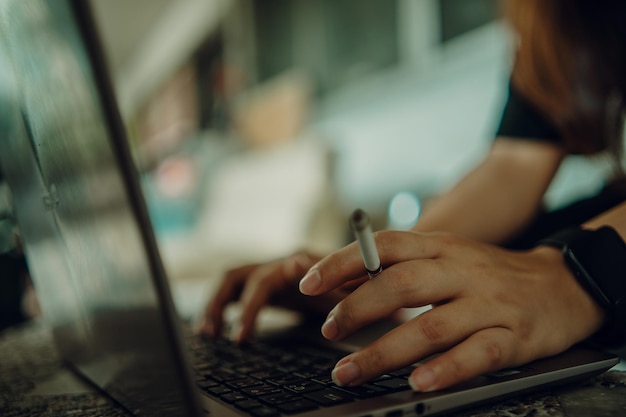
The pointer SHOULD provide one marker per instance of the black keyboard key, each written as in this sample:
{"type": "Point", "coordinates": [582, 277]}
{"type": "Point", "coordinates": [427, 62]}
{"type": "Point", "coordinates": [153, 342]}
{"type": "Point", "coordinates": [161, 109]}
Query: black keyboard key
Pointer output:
{"type": "Point", "coordinates": [310, 373]}
{"type": "Point", "coordinates": [266, 374]}
{"type": "Point", "coordinates": [329, 396]}
{"type": "Point", "coordinates": [325, 379]}
{"type": "Point", "coordinates": [290, 368]}
{"type": "Point", "coordinates": [206, 383]}
{"type": "Point", "coordinates": [218, 390]}
{"type": "Point", "coordinates": [324, 365]}
{"type": "Point", "coordinates": [243, 383]}
{"type": "Point", "coordinates": [272, 380]}
{"type": "Point", "coordinates": [364, 391]}
{"type": "Point", "coordinates": [259, 390]}
{"type": "Point", "coordinates": [250, 368]}
{"type": "Point", "coordinates": [319, 352]}
{"type": "Point", "coordinates": [233, 397]}
{"type": "Point", "coordinates": [248, 404]}
{"type": "Point", "coordinates": [225, 375]}
{"type": "Point", "coordinates": [279, 398]}
{"type": "Point", "coordinates": [394, 384]}
{"type": "Point", "coordinates": [285, 379]}
{"type": "Point", "coordinates": [297, 406]}
{"type": "Point", "coordinates": [403, 372]}
{"type": "Point", "coordinates": [304, 386]}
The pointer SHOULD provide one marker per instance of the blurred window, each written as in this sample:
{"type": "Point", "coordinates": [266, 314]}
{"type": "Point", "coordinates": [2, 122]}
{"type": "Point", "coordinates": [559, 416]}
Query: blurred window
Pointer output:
{"type": "Point", "coordinates": [460, 16]}
{"type": "Point", "coordinates": [338, 41]}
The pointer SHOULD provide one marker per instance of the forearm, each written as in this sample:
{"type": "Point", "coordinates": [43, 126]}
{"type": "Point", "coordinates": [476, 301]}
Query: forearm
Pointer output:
{"type": "Point", "coordinates": [616, 218]}
{"type": "Point", "coordinates": [499, 197]}
{"type": "Point", "coordinates": [478, 212]}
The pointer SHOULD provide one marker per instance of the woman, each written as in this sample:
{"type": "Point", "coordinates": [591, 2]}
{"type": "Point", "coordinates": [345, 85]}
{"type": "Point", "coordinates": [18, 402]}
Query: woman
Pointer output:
{"type": "Point", "coordinates": [492, 307]}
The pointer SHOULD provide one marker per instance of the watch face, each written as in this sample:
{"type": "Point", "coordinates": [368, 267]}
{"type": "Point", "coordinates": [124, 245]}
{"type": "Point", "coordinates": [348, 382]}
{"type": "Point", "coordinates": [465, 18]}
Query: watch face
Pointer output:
{"type": "Point", "coordinates": [601, 259]}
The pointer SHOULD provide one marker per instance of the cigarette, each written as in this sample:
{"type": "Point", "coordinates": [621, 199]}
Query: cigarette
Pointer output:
{"type": "Point", "coordinates": [362, 229]}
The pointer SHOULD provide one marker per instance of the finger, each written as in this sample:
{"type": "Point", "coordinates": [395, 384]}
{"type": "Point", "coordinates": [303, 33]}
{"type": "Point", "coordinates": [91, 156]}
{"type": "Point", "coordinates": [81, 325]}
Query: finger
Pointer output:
{"type": "Point", "coordinates": [408, 284]}
{"type": "Point", "coordinates": [346, 264]}
{"type": "Point", "coordinates": [295, 266]}
{"type": "Point", "coordinates": [485, 351]}
{"type": "Point", "coordinates": [227, 291]}
{"type": "Point", "coordinates": [431, 332]}
{"type": "Point", "coordinates": [263, 283]}
{"type": "Point", "coordinates": [255, 295]}
{"type": "Point", "coordinates": [354, 284]}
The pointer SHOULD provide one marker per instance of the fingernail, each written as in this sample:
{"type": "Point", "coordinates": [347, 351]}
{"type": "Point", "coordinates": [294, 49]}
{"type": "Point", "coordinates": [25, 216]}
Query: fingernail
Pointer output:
{"type": "Point", "coordinates": [423, 380]}
{"type": "Point", "coordinates": [345, 374]}
{"type": "Point", "coordinates": [330, 329]}
{"type": "Point", "coordinates": [311, 282]}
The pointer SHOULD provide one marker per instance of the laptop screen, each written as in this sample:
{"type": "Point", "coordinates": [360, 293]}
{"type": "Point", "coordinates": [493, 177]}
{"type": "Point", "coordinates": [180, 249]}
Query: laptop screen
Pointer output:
{"type": "Point", "coordinates": [82, 220]}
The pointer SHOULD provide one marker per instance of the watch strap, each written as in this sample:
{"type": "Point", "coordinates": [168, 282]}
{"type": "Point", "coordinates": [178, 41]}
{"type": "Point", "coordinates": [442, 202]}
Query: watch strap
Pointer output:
{"type": "Point", "coordinates": [563, 237]}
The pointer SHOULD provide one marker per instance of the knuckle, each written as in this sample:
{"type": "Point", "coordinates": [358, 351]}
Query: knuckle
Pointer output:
{"type": "Point", "coordinates": [295, 266]}
{"type": "Point", "coordinates": [493, 354]}
{"type": "Point", "coordinates": [496, 348]}
{"type": "Point", "coordinates": [345, 314]}
{"type": "Point", "coordinates": [387, 241]}
{"type": "Point", "coordinates": [455, 369]}
{"type": "Point", "coordinates": [372, 359]}
{"type": "Point", "coordinates": [432, 328]}
{"type": "Point", "coordinates": [383, 240]}
{"type": "Point", "coordinates": [400, 281]}
{"type": "Point", "coordinates": [266, 276]}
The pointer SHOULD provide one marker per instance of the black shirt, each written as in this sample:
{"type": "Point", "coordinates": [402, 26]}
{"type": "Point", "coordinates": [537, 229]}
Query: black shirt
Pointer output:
{"type": "Point", "coordinates": [521, 119]}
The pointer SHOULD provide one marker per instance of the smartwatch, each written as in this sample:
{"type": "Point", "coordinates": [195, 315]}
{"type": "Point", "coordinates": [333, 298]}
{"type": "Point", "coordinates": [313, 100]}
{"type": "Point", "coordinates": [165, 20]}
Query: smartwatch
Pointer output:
{"type": "Point", "coordinates": [597, 258]}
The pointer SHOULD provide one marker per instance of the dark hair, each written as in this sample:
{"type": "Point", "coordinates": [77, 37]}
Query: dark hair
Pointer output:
{"type": "Point", "coordinates": [571, 64]}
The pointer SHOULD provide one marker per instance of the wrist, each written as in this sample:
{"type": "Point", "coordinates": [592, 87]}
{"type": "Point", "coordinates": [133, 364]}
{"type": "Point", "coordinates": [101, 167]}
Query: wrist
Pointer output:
{"type": "Point", "coordinates": [551, 262]}
{"type": "Point", "coordinates": [597, 261]}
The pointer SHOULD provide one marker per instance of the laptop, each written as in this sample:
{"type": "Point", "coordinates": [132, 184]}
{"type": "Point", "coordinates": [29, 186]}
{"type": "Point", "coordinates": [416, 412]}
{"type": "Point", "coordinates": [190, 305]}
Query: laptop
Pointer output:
{"type": "Point", "coordinates": [96, 266]}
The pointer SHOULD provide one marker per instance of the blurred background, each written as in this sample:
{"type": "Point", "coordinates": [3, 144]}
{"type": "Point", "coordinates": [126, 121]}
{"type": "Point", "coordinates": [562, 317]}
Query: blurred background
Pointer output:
{"type": "Point", "coordinates": [259, 125]}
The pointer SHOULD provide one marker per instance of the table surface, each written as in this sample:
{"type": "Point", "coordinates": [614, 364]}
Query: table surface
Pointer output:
{"type": "Point", "coordinates": [34, 382]}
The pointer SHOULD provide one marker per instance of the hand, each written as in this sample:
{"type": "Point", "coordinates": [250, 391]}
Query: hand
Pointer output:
{"type": "Point", "coordinates": [256, 285]}
{"type": "Point", "coordinates": [492, 308]}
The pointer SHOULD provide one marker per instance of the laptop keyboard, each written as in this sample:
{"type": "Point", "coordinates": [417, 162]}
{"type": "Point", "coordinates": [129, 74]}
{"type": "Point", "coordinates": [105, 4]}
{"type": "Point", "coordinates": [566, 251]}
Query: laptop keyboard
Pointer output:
{"type": "Point", "coordinates": [280, 379]}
